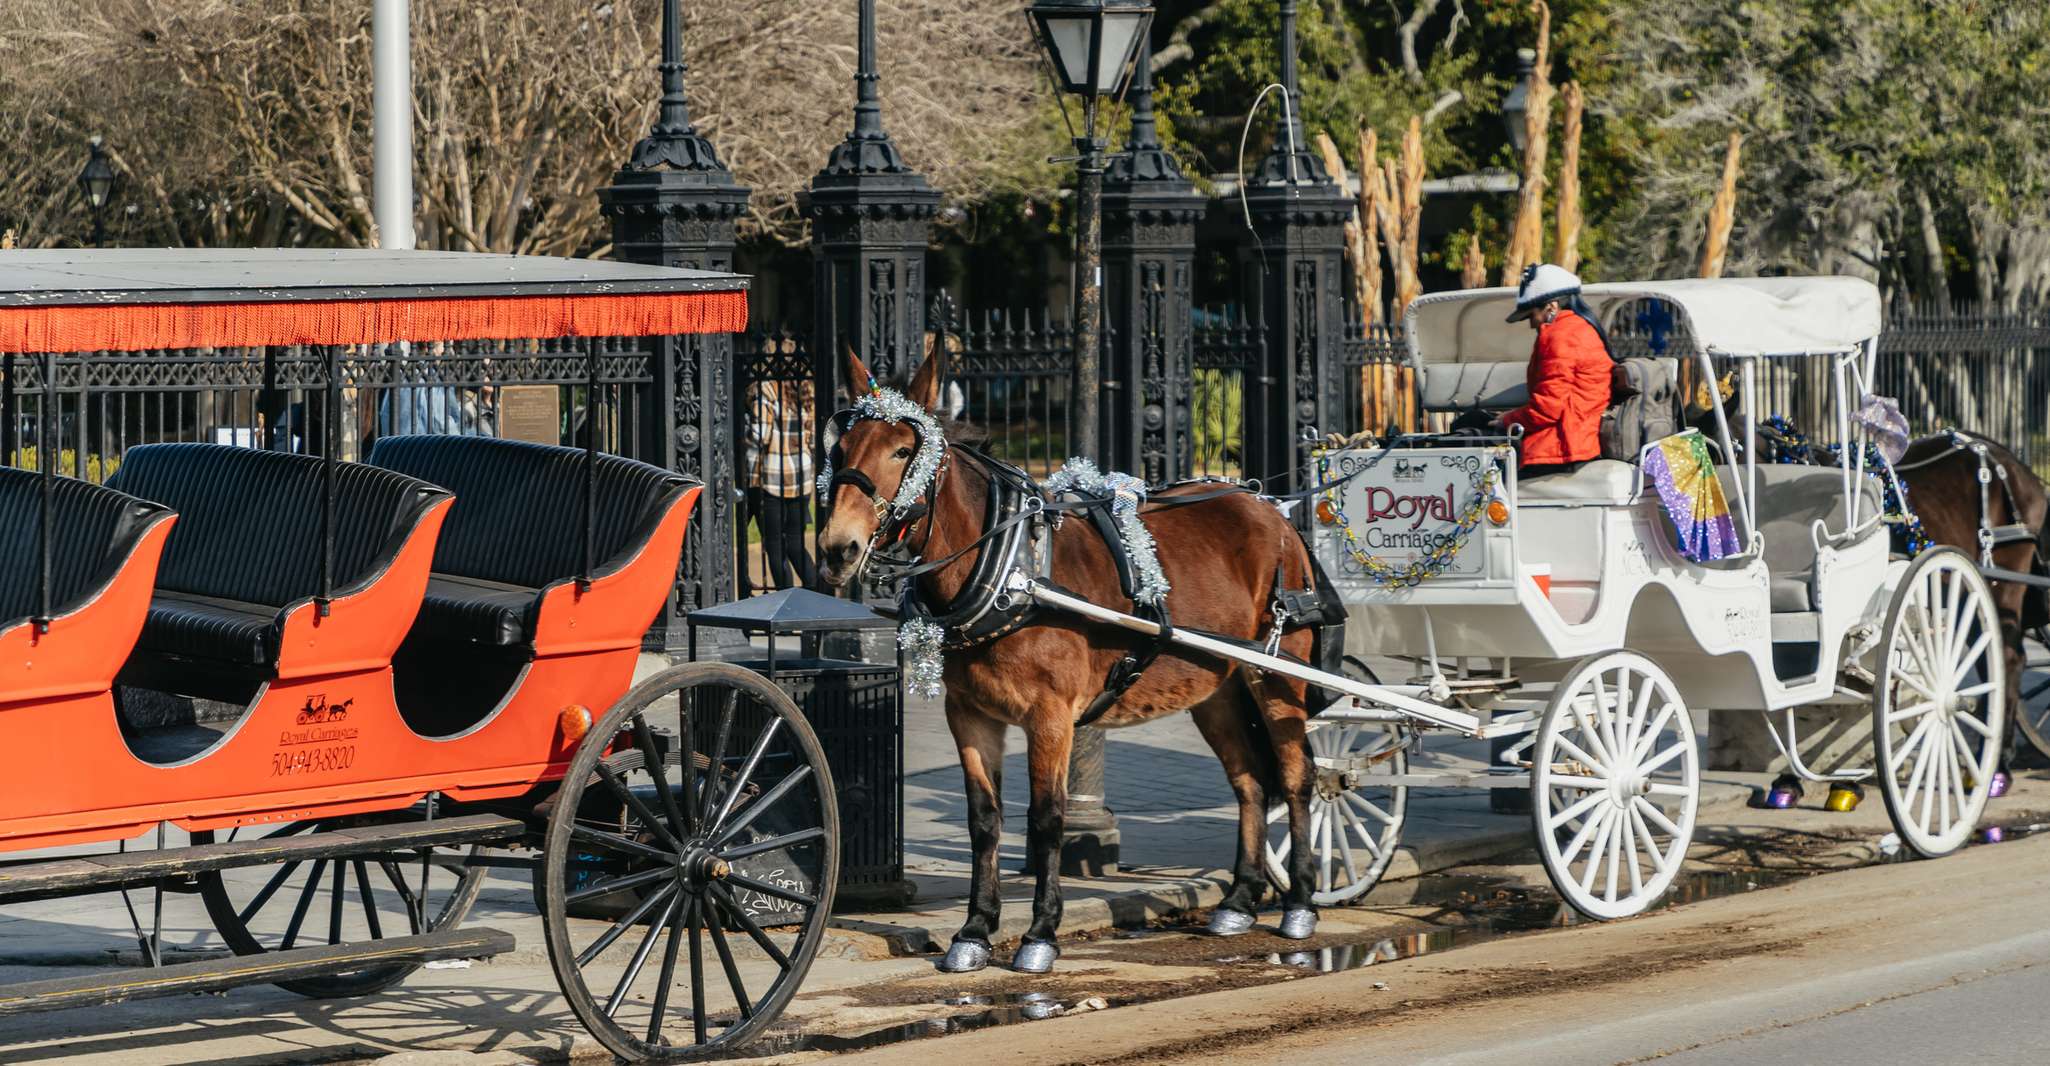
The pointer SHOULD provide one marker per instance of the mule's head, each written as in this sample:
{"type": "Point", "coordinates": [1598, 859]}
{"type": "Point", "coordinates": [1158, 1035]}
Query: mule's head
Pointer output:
{"type": "Point", "coordinates": [871, 458]}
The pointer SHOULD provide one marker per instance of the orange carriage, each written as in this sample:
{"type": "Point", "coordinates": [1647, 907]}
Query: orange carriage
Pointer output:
{"type": "Point", "coordinates": [411, 664]}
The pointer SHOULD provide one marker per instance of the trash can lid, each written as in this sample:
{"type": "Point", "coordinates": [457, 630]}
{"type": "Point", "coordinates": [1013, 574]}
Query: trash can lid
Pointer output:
{"type": "Point", "coordinates": [790, 611]}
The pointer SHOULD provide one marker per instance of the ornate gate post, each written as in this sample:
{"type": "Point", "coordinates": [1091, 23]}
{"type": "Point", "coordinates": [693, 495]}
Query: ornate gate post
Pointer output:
{"type": "Point", "coordinates": [1149, 251]}
{"type": "Point", "coordinates": [1294, 270]}
{"type": "Point", "coordinates": [674, 204]}
{"type": "Point", "coordinates": [871, 217]}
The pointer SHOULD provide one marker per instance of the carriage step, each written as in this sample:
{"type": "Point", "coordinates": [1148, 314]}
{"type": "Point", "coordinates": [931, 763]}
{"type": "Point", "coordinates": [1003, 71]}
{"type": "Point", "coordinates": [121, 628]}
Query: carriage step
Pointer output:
{"type": "Point", "coordinates": [215, 975]}
{"type": "Point", "coordinates": [102, 873]}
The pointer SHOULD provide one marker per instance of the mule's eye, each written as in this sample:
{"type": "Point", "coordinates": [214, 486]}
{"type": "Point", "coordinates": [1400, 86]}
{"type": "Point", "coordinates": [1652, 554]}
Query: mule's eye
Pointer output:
{"type": "Point", "coordinates": [903, 454]}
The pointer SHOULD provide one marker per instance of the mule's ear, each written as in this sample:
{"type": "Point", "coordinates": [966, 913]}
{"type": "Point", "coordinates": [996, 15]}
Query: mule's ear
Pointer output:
{"type": "Point", "coordinates": [859, 380]}
{"type": "Point", "coordinates": [925, 385]}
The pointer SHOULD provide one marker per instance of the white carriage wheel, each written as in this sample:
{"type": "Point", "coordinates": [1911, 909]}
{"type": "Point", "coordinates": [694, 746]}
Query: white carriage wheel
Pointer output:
{"type": "Point", "coordinates": [1939, 706]}
{"type": "Point", "coordinates": [1615, 780]}
{"type": "Point", "coordinates": [1353, 831]}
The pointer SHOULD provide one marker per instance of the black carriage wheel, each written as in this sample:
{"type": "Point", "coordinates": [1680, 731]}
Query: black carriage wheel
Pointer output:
{"type": "Point", "coordinates": [701, 809]}
{"type": "Point", "coordinates": [346, 900]}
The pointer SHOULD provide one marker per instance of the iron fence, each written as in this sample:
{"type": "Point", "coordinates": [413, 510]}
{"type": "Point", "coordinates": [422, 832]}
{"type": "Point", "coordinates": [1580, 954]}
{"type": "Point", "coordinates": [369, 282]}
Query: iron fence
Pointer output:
{"type": "Point", "coordinates": [1375, 374]}
{"type": "Point", "coordinates": [1012, 373]}
{"type": "Point", "coordinates": [1229, 351]}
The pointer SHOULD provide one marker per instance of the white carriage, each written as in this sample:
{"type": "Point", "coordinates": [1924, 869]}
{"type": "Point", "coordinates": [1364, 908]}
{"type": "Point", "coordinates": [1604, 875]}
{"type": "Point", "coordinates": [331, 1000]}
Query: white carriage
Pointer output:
{"type": "Point", "coordinates": [1561, 612]}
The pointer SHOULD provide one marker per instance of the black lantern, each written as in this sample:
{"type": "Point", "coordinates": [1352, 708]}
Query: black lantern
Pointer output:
{"type": "Point", "coordinates": [1517, 103]}
{"type": "Point", "coordinates": [1091, 42]}
{"type": "Point", "coordinates": [96, 184]}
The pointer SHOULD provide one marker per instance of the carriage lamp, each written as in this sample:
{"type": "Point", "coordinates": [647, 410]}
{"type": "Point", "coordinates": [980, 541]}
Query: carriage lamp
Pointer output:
{"type": "Point", "coordinates": [573, 722]}
{"type": "Point", "coordinates": [1784, 793]}
{"type": "Point", "coordinates": [1844, 797]}
{"type": "Point", "coordinates": [96, 184]}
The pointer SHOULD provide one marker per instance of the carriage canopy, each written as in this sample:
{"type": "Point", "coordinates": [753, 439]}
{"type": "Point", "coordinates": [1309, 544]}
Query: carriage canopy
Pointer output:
{"type": "Point", "coordinates": [129, 299]}
{"type": "Point", "coordinates": [1729, 316]}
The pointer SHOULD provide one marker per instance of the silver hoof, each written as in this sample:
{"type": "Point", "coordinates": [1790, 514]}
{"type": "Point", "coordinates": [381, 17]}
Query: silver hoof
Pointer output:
{"type": "Point", "coordinates": [965, 956]}
{"type": "Point", "coordinates": [1035, 956]}
{"type": "Point", "coordinates": [1229, 923]}
{"type": "Point", "coordinates": [1298, 923]}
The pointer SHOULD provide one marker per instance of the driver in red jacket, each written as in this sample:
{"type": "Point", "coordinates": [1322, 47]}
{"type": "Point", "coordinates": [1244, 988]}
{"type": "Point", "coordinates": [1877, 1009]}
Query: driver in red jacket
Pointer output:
{"type": "Point", "coordinates": [1568, 377]}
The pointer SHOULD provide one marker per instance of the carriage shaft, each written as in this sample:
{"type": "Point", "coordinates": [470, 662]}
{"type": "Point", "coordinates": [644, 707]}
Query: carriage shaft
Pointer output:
{"type": "Point", "coordinates": [1374, 694]}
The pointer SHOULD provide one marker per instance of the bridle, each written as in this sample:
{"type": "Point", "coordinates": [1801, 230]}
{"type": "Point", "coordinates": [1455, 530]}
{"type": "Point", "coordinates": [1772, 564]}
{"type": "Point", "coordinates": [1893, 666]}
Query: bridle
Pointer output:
{"type": "Point", "coordinates": [922, 472]}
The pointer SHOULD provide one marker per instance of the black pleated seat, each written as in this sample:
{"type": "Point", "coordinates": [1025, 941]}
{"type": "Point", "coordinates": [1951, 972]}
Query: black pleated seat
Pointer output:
{"type": "Point", "coordinates": [247, 547]}
{"type": "Point", "coordinates": [94, 531]}
{"type": "Point", "coordinates": [515, 528]}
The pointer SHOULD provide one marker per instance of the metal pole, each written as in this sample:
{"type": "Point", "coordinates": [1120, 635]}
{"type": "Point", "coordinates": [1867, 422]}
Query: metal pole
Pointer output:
{"type": "Point", "coordinates": [1089, 837]}
{"type": "Point", "coordinates": [391, 102]}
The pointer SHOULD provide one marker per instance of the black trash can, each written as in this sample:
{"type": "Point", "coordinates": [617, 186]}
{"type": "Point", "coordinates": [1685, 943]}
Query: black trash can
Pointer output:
{"type": "Point", "coordinates": [857, 710]}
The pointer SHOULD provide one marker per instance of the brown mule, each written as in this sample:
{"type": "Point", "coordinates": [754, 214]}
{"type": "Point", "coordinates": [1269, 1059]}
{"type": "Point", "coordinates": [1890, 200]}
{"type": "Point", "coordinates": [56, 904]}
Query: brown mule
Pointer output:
{"type": "Point", "coordinates": [1222, 557]}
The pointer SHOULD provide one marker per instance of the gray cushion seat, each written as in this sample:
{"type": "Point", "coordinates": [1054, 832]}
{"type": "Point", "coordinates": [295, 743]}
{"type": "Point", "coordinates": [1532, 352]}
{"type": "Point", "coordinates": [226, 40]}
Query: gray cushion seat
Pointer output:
{"type": "Point", "coordinates": [1597, 481]}
{"type": "Point", "coordinates": [1790, 500]}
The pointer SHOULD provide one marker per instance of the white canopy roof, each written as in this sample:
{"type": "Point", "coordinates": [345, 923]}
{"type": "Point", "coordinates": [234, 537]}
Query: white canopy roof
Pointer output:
{"type": "Point", "coordinates": [1736, 316]}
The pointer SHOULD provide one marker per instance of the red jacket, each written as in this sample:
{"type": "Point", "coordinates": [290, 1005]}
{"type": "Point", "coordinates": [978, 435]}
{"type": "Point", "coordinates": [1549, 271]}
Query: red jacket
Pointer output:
{"type": "Point", "coordinates": [1569, 390]}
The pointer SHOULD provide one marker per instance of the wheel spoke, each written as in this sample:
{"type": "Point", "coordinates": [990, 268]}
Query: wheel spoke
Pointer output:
{"type": "Point", "coordinates": [619, 883]}
{"type": "Point", "coordinates": [754, 810]}
{"type": "Point", "coordinates": [658, 769]}
{"type": "Point", "coordinates": [1579, 808]}
{"type": "Point", "coordinates": [369, 904]}
{"type": "Point", "coordinates": [1668, 788]}
{"type": "Point", "coordinates": [269, 889]}
{"type": "Point", "coordinates": [635, 804]}
{"type": "Point", "coordinates": [1605, 716]}
{"type": "Point", "coordinates": [1580, 839]}
{"type": "Point", "coordinates": [1658, 726]}
{"type": "Point", "coordinates": [1596, 853]}
{"type": "Point", "coordinates": [1667, 756]}
{"type": "Point", "coordinates": [771, 843]}
{"type": "Point", "coordinates": [660, 898]}
{"type": "Point", "coordinates": [1347, 822]}
{"type": "Point", "coordinates": [1573, 751]}
{"type": "Point", "coordinates": [1370, 808]}
{"type": "Point", "coordinates": [305, 903]}
{"type": "Point", "coordinates": [1650, 811]}
{"type": "Point", "coordinates": [732, 789]}
{"type": "Point", "coordinates": [750, 926]}
{"type": "Point", "coordinates": [640, 957]}
{"type": "Point", "coordinates": [616, 843]}
{"type": "Point", "coordinates": [1971, 659]}
{"type": "Point", "coordinates": [708, 795]}
{"type": "Point", "coordinates": [1324, 850]}
{"type": "Point", "coordinates": [1899, 714]}
{"type": "Point", "coordinates": [1577, 783]}
{"type": "Point", "coordinates": [1972, 720]}
{"type": "Point", "coordinates": [1964, 752]}
{"type": "Point", "coordinates": [697, 980]}
{"type": "Point", "coordinates": [733, 981]}
{"type": "Point", "coordinates": [1652, 851]}
{"type": "Point", "coordinates": [416, 908]}
{"type": "Point", "coordinates": [1915, 738]}
{"type": "Point", "coordinates": [1587, 729]}
{"type": "Point", "coordinates": [667, 979]}
{"type": "Point", "coordinates": [1615, 856]}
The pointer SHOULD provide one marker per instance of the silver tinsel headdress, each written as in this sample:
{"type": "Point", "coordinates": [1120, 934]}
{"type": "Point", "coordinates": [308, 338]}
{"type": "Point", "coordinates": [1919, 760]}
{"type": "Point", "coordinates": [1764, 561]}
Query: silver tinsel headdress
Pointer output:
{"type": "Point", "coordinates": [888, 405]}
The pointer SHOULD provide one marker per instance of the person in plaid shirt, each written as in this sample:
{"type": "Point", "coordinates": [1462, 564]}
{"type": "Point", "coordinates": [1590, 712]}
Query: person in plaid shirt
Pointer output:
{"type": "Point", "coordinates": [780, 474]}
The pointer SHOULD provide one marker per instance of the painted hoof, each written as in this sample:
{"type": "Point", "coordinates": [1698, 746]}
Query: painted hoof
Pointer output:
{"type": "Point", "coordinates": [1035, 956]}
{"type": "Point", "coordinates": [2000, 784]}
{"type": "Point", "coordinates": [1229, 923]}
{"type": "Point", "coordinates": [1844, 797]}
{"type": "Point", "coordinates": [1785, 792]}
{"type": "Point", "coordinates": [1298, 923]}
{"type": "Point", "coordinates": [965, 956]}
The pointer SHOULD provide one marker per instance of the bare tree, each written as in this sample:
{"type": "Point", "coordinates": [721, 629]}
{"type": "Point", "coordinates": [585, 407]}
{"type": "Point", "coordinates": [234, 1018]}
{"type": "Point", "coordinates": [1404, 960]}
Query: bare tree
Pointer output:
{"type": "Point", "coordinates": [239, 121]}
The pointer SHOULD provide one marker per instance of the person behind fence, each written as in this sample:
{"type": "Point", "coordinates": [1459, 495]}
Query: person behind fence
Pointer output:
{"type": "Point", "coordinates": [1568, 377]}
{"type": "Point", "coordinates": [779, 476]}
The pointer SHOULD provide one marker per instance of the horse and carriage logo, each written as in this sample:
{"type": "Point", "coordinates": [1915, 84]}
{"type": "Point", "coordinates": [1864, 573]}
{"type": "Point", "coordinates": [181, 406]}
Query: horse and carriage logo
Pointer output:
{"type": "Point", "coordinates": [1407, 470]}
{"type": "Point", "coordinates": [318, 711]}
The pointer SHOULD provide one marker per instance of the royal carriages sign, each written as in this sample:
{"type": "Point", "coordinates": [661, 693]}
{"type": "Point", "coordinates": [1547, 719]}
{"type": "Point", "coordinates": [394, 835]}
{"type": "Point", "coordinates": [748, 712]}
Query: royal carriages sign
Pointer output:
{"type": "Point", "coordinates": [1405, 517]}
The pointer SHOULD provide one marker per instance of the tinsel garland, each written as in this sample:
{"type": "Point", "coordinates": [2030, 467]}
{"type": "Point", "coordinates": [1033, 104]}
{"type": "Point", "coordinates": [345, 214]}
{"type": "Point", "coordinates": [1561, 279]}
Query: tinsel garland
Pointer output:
{"type": "Point", "coordinates": [919, 640]}
{"type": "Point", "coordinates": [1794, 447]}
{"type": "Point", "coordinates": [889, 405]}
{"type": "Point", "coordinates": [1125, 492]}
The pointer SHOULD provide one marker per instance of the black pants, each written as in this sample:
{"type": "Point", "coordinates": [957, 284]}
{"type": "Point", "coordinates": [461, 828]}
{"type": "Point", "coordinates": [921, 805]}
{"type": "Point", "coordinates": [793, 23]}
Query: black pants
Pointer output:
{"type": "Point", "coordinates": [781, 519]}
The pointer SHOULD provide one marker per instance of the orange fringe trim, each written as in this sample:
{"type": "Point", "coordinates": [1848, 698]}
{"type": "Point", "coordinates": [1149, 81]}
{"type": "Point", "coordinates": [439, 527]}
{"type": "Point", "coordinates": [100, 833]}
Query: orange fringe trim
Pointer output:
{"type": "Point", "coordinates": [131, 327]}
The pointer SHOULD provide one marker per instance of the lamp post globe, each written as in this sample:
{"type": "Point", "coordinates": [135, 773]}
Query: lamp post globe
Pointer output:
{"type": "Point", "coordinates": [1517, 103]}
{"type": "Point", "coordinates": [96, 184]}
{"type": "Point", "coordinates": [1091, 42]}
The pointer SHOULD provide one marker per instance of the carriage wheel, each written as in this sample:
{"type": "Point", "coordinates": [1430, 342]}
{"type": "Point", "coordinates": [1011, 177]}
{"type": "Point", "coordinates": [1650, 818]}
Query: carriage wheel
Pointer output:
{"type": "Point", "coordinates": [1354, 826]}
{"type": "Point", "coordinates": [1615, 780]}
{"type": "Point", "coordinates": [701, 804]}
{"type": "Point", "coordinates": [1938, 705]}
{"type": "Point", "coordinates": [348, 900]}
{"type": "Point", "coordinates": [2034, 712]}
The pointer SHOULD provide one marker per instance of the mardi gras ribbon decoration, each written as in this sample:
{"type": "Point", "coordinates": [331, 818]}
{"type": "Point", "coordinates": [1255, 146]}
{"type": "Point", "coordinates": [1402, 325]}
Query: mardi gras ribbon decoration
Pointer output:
{"type": "Point", "coordinates": [1679, 465]}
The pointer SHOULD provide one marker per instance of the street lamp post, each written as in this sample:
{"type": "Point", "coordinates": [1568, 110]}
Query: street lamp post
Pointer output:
{"type": "Point", "coordinates": [96, 183]}
{"type": "Point", "coordinates": [1090, 45]}
{"type": "Point", "coordinates": [1517, 102]}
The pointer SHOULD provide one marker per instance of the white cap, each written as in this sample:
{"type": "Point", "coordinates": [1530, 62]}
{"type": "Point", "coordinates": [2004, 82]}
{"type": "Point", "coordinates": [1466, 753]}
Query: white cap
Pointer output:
{"type": "Point", "coordinates": [1542, 283]}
